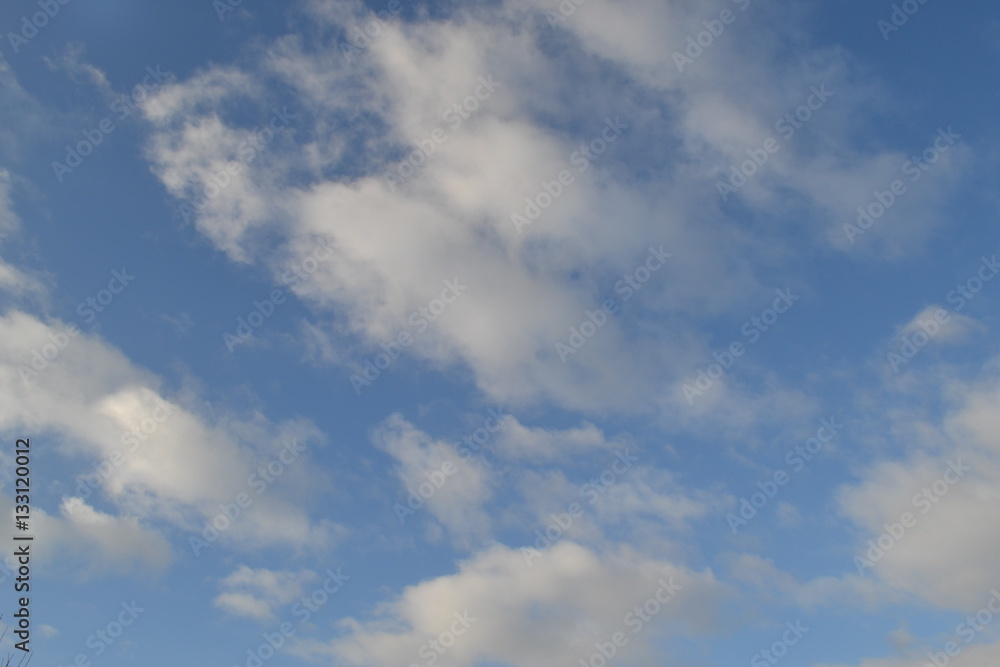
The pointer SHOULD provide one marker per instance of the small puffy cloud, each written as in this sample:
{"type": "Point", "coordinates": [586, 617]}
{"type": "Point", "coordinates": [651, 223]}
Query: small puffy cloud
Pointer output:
{"type": "Point", "coordinates": [941, 325]}
{"type": "Point", "coordinates": [455, 487]}
{"type": "Point", "coordinates": [258, 593]}
{"type": "Point", "coordinates": [767, 583]}
{"type": "Point", "coordinates": [535, 444]}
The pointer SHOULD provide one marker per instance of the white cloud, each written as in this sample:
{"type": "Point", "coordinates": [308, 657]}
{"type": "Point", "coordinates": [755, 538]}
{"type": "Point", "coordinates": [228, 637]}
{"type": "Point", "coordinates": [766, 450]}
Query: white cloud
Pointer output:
{"type": "Point", "coordinates": [970, 656]}
{"type": "Point", "coordinates": [534, 444]}
{"type": "Point", "coordinates": [948, 556]}
{"type": "Point", "coordinates": [570, 592]}
{"type": "Point", "coordinates": [162, 460]}
{"type": "Point", "coordinates": [451, 218]}
{"type": "Point", "coordinates": [456, 488]}
{"type": "Point", "coordinates": [114, 541]}
{"type": "Point", "coordinates": [25, 119]}
{"type": "Point", "coordinates": [259, 593]}
{"type": "Point", "coordinates": [12, 280]}
{"type": "Point", "coordinates": [941, 325]}
{"type": "Point", "coordinates": [767, 584]}
{"type": "Point", "coordinates": [475, 494]}
{"type": "Point", "coordinates": [83, 542]}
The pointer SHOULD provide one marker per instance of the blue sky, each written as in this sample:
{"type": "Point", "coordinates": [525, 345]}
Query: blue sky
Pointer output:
{"type": "Point", "coordinates": [512, 333]}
